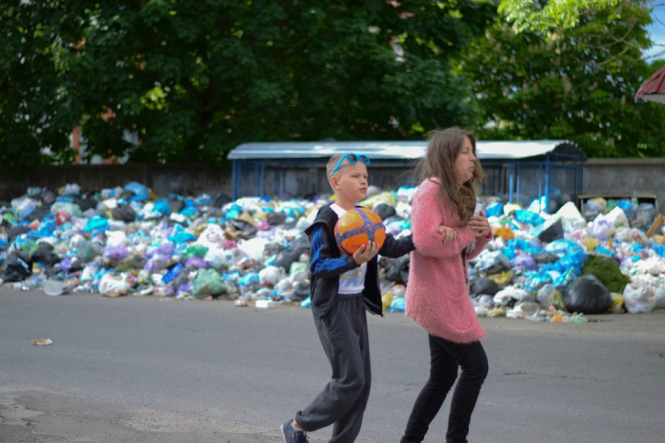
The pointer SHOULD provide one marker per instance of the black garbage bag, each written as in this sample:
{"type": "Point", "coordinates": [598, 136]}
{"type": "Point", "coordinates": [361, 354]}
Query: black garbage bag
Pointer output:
{"type": "Point", "coordinates": [48, 197]}
{"type": "Point", "coordinates": [76, 265]}
{"type": "Point", "coordinates": [127, 195]}
{"type": "Point", "coordinates": [587, 295]}
{"type": "Point", "coordinates": [85, 203]}
{"type": "Point", "coordinates": [243, 229]}
{"type": "Point", "coordinates": [552, 232]}
{"type": "Point", "coordinates": [300, 290]}
{"type": "Point", "coordinates": [45, 255]}
{"type": "Point", "coordinates": [15, 231]}
{"type": "Point", "coordinates": [398, 269]}
{"type": "Point", "coordinates": [385, 211]}
{"type": "Point", "coordinates": [273, 249]}
{"type": "Point", "coordinates": [285, 258]}
{"type": "Point", "coordinates": [124, 213]}
{"type": "Point", "coordinates": [545, 257]}
{"type": "Point", "coordinates": [18, 269]}
{"type": "Point", "coordinates": [484, 286]}
{"type": "Point", "coordinates": [276, 218]}
{"type": "Point", "coordinates": [39, 213]}
{"type": "Point", "coordinates": [176, 205]}
{"type": "Point", "coordinates": [221, 200]}
{"type": "Point", "coordinates": [392, 219]}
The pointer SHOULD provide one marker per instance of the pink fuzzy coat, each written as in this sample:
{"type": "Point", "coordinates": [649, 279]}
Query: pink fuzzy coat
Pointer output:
{"type": "Point", "coordinates": [437, 296]}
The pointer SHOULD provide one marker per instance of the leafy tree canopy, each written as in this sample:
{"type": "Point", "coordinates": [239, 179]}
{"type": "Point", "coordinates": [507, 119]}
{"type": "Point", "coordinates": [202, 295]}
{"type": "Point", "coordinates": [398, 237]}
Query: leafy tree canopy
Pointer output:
{"type": "Point", "coordinates": [576, 84]}
{"type": "Point", "coordinates": [195, 78]}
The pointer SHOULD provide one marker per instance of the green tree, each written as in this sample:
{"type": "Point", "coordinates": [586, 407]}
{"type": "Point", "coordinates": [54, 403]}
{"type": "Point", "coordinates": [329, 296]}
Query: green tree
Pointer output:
{"type": "Point", "coordinates": [194, 79]}
{"type": "Point", "coordinates": [539, 15]}
{"type": "Point", "coordinates": [35, 110]}
{"type": "Point", "coordinates": [575, 84]}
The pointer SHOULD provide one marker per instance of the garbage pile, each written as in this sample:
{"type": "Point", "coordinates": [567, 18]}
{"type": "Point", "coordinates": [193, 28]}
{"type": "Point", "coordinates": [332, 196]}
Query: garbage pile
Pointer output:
{"type": "Point", "coordinates": [127, 240]}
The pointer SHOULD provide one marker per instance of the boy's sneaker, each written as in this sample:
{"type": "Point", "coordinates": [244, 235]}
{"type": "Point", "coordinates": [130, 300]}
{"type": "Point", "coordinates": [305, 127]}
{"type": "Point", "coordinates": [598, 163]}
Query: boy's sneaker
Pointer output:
{"type": "Point", "coordinates": [291, 434]}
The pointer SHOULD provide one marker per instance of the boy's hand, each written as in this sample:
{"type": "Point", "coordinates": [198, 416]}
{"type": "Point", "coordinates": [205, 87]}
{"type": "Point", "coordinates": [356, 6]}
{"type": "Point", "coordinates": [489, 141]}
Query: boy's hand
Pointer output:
{"type": "Point", "coordinates": [449, 234]}
{"type": "Point", "coordinates": [479, 226]}
{"type": "Point", "coordinates": [366, 253]}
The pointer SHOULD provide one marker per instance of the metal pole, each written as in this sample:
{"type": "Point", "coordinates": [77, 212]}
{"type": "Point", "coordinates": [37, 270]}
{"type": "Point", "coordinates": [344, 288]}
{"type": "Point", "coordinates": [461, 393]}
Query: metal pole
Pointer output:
{"type": "Point", "coordinates": [263, 178]}
{"type": "Point", "coordinates": [511, 184]}
{"type": "Point", "coordinates": [547, 183]}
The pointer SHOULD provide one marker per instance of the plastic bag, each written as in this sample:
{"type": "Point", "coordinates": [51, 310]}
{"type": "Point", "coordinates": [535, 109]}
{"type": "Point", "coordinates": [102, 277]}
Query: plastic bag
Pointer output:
{"type": "Point", "coordinates": [587, 295]}
{"type": "Point", "coordinates": [113, 285]}
{"type": "Point", "coordinates": [562, 247]}
{"type": "Point", "coordinates": [271, 275]}
{"type": "Point", "coordinates": [253, 248]}
{"type": "Point", "coordinates": [524, 261]}
{"type": "Point", "coordinates": [529, 217]}
{"type": "Point", "coordinates": [510, 293]}
{"type": "Point", "coordinates": [492, 262]}
{"type": "Point", "coordinates": [484, 286]}
{"type": "Point", "coordinates": [617, 218]}
{"type": "Point", "coordinates": [208, 282]}
{"type": "Point", "coordinates": [639, 297]}
{"type": "Point", "coordinates": [545, 295]}
{"type": "Point", "coordinates": [495, 210]}
{"type": "Point", "coordinates": [398, 305]}
{"type": "Point", "coordinates": [601, 228]}
{"type": "Point", "coordinates": [535, 281]}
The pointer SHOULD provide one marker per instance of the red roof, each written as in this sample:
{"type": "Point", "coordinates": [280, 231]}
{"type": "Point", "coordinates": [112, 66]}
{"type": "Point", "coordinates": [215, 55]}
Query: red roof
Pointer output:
{"type": "Point", "coordinates": [654, 87]}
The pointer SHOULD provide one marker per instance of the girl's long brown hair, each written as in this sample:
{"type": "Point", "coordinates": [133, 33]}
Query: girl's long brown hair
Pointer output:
{"type": "Point", "coordinates": [439, 162]}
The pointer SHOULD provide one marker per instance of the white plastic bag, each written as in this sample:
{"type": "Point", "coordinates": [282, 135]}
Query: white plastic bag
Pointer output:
{"type": "Point", "coordinates": [113, 285]}
{"type": "Point", "coordinates": [639, 296]}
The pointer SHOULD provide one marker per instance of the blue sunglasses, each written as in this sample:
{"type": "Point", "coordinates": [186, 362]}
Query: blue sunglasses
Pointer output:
{"type": "Point", "coordinates": [351, 158]}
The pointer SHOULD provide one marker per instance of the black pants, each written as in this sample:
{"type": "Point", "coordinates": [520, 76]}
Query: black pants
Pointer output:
{"type": "Point", "coordinates": [445, 358]}
{"type": "Point", "coordinates": [343, 334]}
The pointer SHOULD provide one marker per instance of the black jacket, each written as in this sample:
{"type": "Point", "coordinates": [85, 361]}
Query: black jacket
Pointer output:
{"type": "Point", "coordinates": [327, 263]}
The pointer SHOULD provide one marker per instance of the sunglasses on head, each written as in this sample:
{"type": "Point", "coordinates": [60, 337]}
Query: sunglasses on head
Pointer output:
{"type": "Point", "coordinates": [351, 158]}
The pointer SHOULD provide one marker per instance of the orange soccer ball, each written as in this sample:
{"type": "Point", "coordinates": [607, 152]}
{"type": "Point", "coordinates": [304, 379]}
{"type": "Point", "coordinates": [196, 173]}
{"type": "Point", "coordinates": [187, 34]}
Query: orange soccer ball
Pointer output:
{"type": "Point", "coordinates": [358, 227]}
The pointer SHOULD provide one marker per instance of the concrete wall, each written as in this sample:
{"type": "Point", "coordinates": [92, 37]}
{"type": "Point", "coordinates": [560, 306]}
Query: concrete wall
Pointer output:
{"type": "Point", "coordinates": [629, 176]}
{"type": "Point", "coordinates": [601, 176]}
{"type": "Point", "coordinates": [162, 179]}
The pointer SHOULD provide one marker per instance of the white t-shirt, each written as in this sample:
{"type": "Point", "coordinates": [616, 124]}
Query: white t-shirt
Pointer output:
{"type": "Point", "coordinates": [353, 281]}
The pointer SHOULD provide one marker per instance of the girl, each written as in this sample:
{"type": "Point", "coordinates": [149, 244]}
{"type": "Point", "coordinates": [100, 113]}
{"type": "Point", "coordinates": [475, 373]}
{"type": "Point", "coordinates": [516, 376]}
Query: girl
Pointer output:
{"type": "Point", "coordinates": [447, 233]}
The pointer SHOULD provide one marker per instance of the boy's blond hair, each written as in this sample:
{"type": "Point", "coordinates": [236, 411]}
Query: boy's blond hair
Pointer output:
{"type": "Point", "coordinates": [331, 165]}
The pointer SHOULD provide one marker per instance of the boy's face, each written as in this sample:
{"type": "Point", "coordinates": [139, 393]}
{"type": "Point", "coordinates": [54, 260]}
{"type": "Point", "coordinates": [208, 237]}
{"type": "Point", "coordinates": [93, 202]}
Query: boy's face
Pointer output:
{"type": "Point", "coordinates": [351, 181]}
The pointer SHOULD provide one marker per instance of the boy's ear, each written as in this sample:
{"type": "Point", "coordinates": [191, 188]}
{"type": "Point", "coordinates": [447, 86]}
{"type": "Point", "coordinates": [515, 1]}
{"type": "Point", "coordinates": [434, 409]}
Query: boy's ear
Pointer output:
{"type": "Point", "coordinates": [333, 182]}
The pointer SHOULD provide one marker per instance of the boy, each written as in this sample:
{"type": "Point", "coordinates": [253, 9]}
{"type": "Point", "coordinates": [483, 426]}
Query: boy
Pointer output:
{"type": "Point", "coordinates": [342, 288]}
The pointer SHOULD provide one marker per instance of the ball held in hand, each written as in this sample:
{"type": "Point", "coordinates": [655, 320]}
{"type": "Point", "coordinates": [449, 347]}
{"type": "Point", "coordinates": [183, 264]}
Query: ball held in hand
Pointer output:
{"type": "Point", "coordinates": [358, 227]}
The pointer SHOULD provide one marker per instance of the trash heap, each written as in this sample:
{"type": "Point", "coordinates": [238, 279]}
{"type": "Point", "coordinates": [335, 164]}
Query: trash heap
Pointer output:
{"type": "Point", "coordinates": [127, 240]}
{"type": "Point", "coordinates": [559, 267]}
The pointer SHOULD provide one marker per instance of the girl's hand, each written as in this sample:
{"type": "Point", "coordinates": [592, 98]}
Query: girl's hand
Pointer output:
{"type": "Point", "coordinates": [366, 253]}
{"type": "Point", "coordinates": [449, 234]}
{"type": "Point", "coordinates": [479, 226]}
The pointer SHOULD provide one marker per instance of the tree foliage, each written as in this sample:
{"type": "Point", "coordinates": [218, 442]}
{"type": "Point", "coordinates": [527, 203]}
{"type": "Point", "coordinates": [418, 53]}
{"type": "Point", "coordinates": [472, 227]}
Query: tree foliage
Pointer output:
{"type": "Point", "coordinates": [541, 15]}
{"type": "Point", "coordinates": [194, 79]}
{"type": "Point", "coordinates": [576, 84]}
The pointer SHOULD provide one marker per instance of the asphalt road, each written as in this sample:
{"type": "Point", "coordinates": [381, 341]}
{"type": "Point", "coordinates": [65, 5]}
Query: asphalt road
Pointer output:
{"type": "Point", "coordinates": [143, 369]}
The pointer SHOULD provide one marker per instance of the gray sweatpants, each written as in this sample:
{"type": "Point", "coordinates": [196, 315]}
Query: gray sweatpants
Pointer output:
{"type": "Point", "coordinates": [343, 334]}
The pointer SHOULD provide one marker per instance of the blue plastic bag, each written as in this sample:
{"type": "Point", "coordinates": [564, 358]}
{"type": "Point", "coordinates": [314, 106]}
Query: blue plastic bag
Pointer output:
{"type": "Point", "coordinates": [563, 247]}
{"type": "Point", "coordinates": [530, 217]}
{"type": "Point", "coordinates": [398, 305]}
{"type": "Point", "coordinates": [138, 189]}
{"type": "Point", "coordinates": [573, 260]}
{"type": "Point", "coordinates": [659, 249]}
{"type": "Point", "coordinates": [496, 210]}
